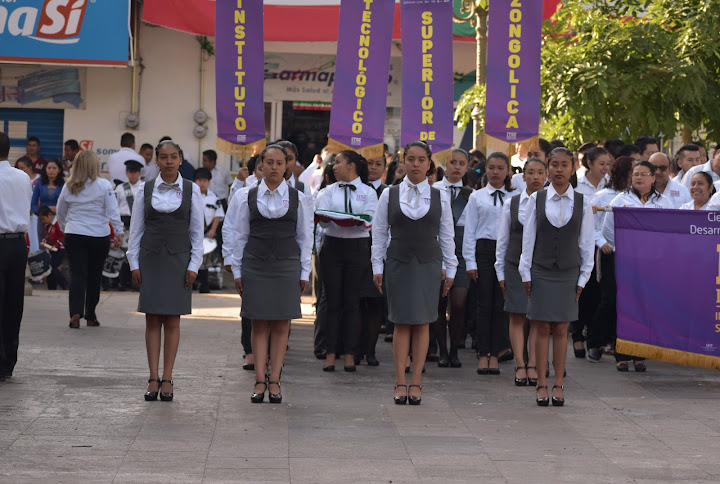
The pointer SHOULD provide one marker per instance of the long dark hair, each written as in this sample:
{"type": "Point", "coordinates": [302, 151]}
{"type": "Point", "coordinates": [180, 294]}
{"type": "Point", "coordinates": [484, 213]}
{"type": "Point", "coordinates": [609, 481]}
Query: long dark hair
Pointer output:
{"type": "Point", "coordinates": [653, 191]}
{"type": "Point", "coordinates": [506, 159]}
{"type": "Point", "coordinates": [391, 169]}
{"type": "Point", "coordinates": [361, 164]}
{"type": "Point", "coordinates": [328, 172]}
{"type": "Point", "coordinates": [620, 173]}
{"type": "Point", "coordinates": [60, 180]}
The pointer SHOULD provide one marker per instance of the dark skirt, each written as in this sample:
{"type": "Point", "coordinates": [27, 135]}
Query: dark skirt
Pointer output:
{"type": "Point", "coordinates": [552, 296]}
{"type": "Point", "coordinates": [412, 290]}
{"type": "Point", "coordinates": [271, 288]}
{"type": "Point", "coordinates": [162, 287]}
{"type": "Point", "coordinates": [461, 277]}
{"type": "Point", "coordinates": [516, 299]}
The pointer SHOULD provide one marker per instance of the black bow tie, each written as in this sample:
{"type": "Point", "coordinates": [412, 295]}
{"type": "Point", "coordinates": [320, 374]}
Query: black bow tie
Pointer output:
{"type": "Point", "coordinates": [348, 199]}
{"type": "Point", "coordinates": [498, 194]}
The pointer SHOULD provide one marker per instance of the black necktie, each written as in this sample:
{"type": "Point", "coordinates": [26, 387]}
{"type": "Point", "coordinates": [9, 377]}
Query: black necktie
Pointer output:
{"type": "Point", "coordinates": [455, 191]}
{"type": "Point", "coordinates": [348, 196]}
{"type": "Point", "coordinates": [498, 194]}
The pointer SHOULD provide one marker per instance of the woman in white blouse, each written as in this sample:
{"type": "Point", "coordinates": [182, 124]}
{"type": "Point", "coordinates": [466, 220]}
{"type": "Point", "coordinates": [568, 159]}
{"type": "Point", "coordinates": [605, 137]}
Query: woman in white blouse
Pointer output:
{"type": "Point", "coordinates": [272, 245]}
{"type": "Point", "coordinates": [165, 253]}
{"type": "Point", "coordinates": [85, 209]}
{"type": "Point", "coordinates": [701, 190]}
{"type": "Point", "coordinates": [413, 233]}
{"type": "Point", "coordinates": [642, 194]}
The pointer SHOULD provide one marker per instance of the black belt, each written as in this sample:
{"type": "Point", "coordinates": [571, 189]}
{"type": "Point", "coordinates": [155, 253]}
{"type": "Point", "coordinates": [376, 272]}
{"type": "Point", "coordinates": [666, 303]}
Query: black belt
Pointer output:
{"type": "Point", "coordinates": [14, 235]}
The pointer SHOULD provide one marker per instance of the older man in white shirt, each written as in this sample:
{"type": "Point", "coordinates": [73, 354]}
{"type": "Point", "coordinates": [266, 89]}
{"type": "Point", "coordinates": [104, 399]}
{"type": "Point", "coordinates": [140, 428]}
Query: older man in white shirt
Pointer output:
{"type": "Point", "coordinates": [674, 191]}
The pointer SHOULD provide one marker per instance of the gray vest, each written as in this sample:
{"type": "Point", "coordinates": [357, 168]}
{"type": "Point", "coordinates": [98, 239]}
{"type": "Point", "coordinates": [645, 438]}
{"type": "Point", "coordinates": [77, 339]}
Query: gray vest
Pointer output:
{"type": "Point", "coordinates": [458, 206]}
{"type": "Point", "coordinates": [169, 230]}
{"type": "Point", "coordinates": [414, 238]}
{"type": "Point", "coordinates": [557, 247]}
{"type": "Point", "coordinates": [273, 237]}
{"type": "Point", "coordinates": [514, 248]}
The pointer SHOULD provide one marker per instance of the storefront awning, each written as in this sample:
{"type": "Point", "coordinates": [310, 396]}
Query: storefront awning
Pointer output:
{"type": "Point", "coordinates": [285, 20]}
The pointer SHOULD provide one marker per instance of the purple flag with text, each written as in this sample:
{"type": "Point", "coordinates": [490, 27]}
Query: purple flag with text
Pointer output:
{"type": "Point", "coordinates": [512, 108]}
{"type": "Point", "coordinates": [676, 318]}
{"type": "Point", "coordinates": [427, 73]}
{"type": "Point", "coordinates": [357, 120]}
{"type": "Point", "coordinates": [239, 76]}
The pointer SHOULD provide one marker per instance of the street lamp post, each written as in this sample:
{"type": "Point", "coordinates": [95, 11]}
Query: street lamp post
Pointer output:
{"type": "Point", "coordinates": [475, 13]}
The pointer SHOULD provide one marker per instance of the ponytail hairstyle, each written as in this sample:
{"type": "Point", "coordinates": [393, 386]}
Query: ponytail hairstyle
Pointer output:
{"type": "Point", "coordinates": [361, 164]}
{"type": "Point", "coordinates": [620, 173]}
{"type": "Point", "coordinates": [465, 178]}
{"type": "Point", "coordinates": [593, 155]}
{"type": "Point", "coordinates": [653, 191]}
{"type": "Point", "coordinates": [261, 158]}
{"type": "Point", "coordinates": [508, 179]}
{"type": "Point", "coordinates": [710, 181]}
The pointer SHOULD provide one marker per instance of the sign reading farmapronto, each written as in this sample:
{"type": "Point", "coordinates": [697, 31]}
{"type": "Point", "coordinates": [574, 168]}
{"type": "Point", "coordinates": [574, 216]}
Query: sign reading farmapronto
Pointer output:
{"type": "Point", "coordinates": [88, 32]}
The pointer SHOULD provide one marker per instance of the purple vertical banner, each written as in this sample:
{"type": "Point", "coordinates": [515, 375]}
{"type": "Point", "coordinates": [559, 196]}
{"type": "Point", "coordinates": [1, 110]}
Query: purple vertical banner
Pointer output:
{"type": "Point", "coordinates": [239, 76]}
{"type": "Point", "coordinates": [427, 72]}
{"type": "Point", "coordinates": [675, 318]}
{"type": "Point", "coordinates": [512, 108]}
{"type": "Point", "coordinates": [357, 120]}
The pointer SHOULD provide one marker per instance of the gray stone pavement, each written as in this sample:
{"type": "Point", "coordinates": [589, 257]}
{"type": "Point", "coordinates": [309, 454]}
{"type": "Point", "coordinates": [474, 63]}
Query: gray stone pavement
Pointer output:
{"type": "Point", "coordinates": [74, 412]}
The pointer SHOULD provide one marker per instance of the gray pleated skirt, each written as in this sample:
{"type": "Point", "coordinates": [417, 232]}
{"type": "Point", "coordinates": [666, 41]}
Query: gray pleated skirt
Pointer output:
{"type": "Point", "coordinates": [271, 288]}
{"type": "Point", "coordinates": [516, 299]}
{"type": "Point", "coordinates": [461, 278]}
{"type": "Point", "coordinates": [412, 290]}
{"type": "Point", "coordinates": [162, 286]}
{"type": "Point", "coordinates": [552, 297]}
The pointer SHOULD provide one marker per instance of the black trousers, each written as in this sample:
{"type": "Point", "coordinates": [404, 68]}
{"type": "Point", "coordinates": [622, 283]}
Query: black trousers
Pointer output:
{"type": "Point", "coordinates": [344, 266]}
{"type": "Point", "coordinates": [320, 310]}
{"type": "Point", "coordinates": [87, 257]}
{"type": "Point", "coordinates": [490, 320]}
{"type": "Point", "coordinates": [587, 307]}
{"type": "Point", "coordinates": [246, 336]}
{"type": "Point", "coordinates": [604, 322]}
{"type": "Point", "coordinates": [56, 277]}
{"type": "Point", "coordinates": [13, 258]}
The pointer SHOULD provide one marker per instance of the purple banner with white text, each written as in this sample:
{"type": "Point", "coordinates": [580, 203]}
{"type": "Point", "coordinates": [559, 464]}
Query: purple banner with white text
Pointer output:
{"type": "Point", "coordinates": [427, 70]}
{"type": "Point", "coordinates": [667, 265]}
{"type": "Point", "coordinates": [239, 76]}
{"type": "Point", "coordinates": [512, 108]}
{"type": "Point", "coordinates": [357, 120]}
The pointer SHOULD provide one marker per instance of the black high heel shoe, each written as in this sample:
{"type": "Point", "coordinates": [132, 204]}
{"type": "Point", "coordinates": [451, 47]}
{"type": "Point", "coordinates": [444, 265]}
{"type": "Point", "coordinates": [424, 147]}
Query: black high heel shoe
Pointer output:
{"type": "Point", "coordinates": [274, 398]}
{"type": "Point", "coordinates": [166, 397]}
{"type": "Point", "coordinates": [259, 397]}
{"type": "Point", "coordinates": [532, 381]}
{"type": "Point", "coordinates": [401, 400]}
{"type": "Point", "coordinates": [372, 361]}
{"type": "Point", "coordinates": [483, 371]}
{"type": "Point", "coordinates": [521, 382]}
{"type": "Point", "coordinates": [558, 401]}
{"type": "Point", "coordinates": [152, 396]}
{"type": "Point", "coordinates": [414, 400]}
{"type": "Point", "coordinates": [542, 402]}
{"type": "Point", "coordinates": [443, 362]}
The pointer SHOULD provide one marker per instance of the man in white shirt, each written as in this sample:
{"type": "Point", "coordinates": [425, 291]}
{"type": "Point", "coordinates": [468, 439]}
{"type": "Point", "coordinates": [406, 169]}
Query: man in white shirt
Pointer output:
{"type": "Point", "coordinates": [712, 167]}
{"type": "Point", "coordinates": [15, 196]}
{"type": "Point", "coordinates": [152, 170]}
{"type": "Point", "coordinates": [688, 156]}
{"type": "Point", "coordinates": [648, 146]}
{"type": "Point", "coordinates": [221, 177]}
{"type": "Point", "coordinates": [116, 162]}
{"type": "Point", "coordinates": [673, 190]}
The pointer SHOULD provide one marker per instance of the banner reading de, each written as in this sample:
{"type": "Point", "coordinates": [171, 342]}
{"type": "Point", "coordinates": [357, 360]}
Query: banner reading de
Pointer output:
{"type": "Point", "coordinates": [357, 119]}
{"type": "Point", "coordinates": [675, 318]}
{"type": "Point", "coordinates": [64, 32]}
{"type": "Point", "coordinates": [239, 74]}
{"type": "Point", "coordinates": [512, 108]}
{"type": "Point", "coordinates": [427, 72]}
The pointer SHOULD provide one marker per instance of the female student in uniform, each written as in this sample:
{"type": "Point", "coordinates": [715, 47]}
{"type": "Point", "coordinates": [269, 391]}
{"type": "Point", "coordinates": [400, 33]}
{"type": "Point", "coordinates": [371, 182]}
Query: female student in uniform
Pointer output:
{"type": "Point", "coordinates": [165, 253]}
{"type": "Point", "coordinates": [455, 185]}
{"type": "Point", "coordinates": [641, 194]}
{"type": "Point", "coordinates": [272, 245]}
{"type": "Point", "coordinates": [555, 265]}
{"type": "Point", "coordinates": [509, 248]}
{"type": "Point", "coordinates": [701, 190]}
{"type": "Point", "coordinates": [345, 256]}
{"type": "Point", "coordinates": [413, 234]}
{"type": "Point", "coordinates": [482, 219]}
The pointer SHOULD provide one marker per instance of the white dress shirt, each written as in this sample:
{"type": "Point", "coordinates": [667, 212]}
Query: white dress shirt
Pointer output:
{"type": "Point", "coordinates": [221, 181]}
{"type": "Point", "coordinates": [415, 203]}
{"type": "Point", "coordinates": [691, 206]}
{"type": "Point", "coordinates": [518, 182]}
{"type": "Point", "coordinates": [362, 200]}
{"type": "Point", "coordinates": [444, 186]}
{"type": "Point", "coordinates": [375, 183]}
{"type": "Point", "coordinates": [481, 219]}
{"type": "Point", "coordinates": [15, 196]}
{"type": "Point", "coordinates": [559, 210]}
{"type": "Point", "coordinates": [602, 199]}
{"type": "Point", "coordinates": [588, 189]}
{"type": "Point", "coordinates": [629, 199]}
{"type": "Point", "coordinates": [228, 229]}
{"type": "Point", "coordinates": [116, 163]}
{"type": "Point", "coordinates": [706, 167]}
{"type": "Point", "coordinates": [677, 193]}
{"type": "Point", "coordinates": [504, 232]}
{"type": "Point", "coordinates": [211, 207]}
{"type": "Point", "coordinates": [151, 171]}
{"type": "Point", "coordinates": [312, 176]}
{"type": "Point", "coordinates": [123, 206]}
{"type": "Point", "coordinates": [272, 205]}
{"type": "Point", "coordinates": [714, 203]}
{"type": "Point", "coordinates": [167, 202]}
{"type": "Point", "coordinates": [91, 211]}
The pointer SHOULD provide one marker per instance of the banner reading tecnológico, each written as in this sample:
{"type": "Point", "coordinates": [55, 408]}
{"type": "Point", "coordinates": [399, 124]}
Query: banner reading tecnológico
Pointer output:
{"type": "Point", "coordinates": [357, 120]}
{"type": "Point", "coordinates": [239, 74]}
{"type": "Point", "coordinates": [61, 32]}
{"type": "Point", "coordinates": [427, 71]}
{"type": "Point", "coordinates": [672, 319]}
{"type": "Point", "coordinates": [512, 107]}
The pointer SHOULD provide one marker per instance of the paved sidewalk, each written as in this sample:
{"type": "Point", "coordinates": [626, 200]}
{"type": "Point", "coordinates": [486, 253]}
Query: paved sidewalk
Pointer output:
{"type": "Point", "coordinates": [74, 412]}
